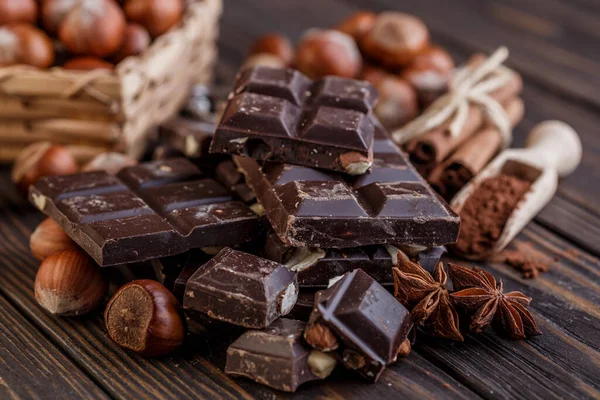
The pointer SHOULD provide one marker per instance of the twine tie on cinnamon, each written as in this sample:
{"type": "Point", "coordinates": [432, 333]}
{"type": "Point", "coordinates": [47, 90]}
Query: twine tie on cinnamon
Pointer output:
{"type": "Point", "coordinates": [470, 85]}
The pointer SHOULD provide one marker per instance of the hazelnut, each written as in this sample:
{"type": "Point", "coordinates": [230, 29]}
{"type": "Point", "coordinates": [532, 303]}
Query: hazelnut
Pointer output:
{"type": "Point", "coordinates": [328, 52]}
{"type": "Point", "coordinates": [430, 73]}
{"type": "Point", "coordinates": [143, 316]}
{"type": "Point", "coordinates": [93, 27]}
{"type": "Point", "coordinates": [110, 162]}
{"type": "Point", "coordinates": [12, 11]}
{"type": "Point", "coordinates": [319, 336]}
{"type": "Point", "coordinates": [373, 74]}
{"type": "Point", "coordinates": [49, 238]}
{"type": "Point", "coordinates": [54, 12]}
{"type": "Point", "coordinates": [136, 41]}
{"type": "Point", "coordinates": [265, 59]}
{"type": "Point", "coordinates": [353, 360]}
{"type": "Point", "coordinates": [358, 24]}
{"type": "Point", "coordinates": [396, 39]}
{"type": "Point", "coordinates": [275, 44]}
{"type": "Point", "coordinates": [69, 283]}
{"type": "Point", "coordinates": [87, 64]}
{"type": "Point", "coordinates": [398, 102]}
{"type": "Point", "coordinates": [321, 364]}
{"type": "Point", "coordinates": [157, 16]}
{"type": "Point", "coordinates": [40, 160]}
{"type": "Point", "coordinates": [25, 44]}
{"type": "Point", "coordinates": [404, 349]}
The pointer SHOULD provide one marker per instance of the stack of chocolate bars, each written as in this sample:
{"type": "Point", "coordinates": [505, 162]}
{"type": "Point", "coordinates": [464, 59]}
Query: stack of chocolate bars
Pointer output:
{"type": "Point", "coordinates": [302, 190]}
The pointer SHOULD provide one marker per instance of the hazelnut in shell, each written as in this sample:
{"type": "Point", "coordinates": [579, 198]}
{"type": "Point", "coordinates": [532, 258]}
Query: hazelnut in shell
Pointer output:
{"type": "Point", "coordinates": [395, 39]}
{"type": "Point", "coordinates": [136, 41]}
{"type": "Point", "coordinates": [265, 59]}
{"type": "Point", "coordinates": [328, 52]}
{"type": "Point", "coordinates": [358, 24]}
{"type": "Point", "coordinates": [275, 44]}
{"type": "Point", "coordinates": [40, 160]}
{"type": "Point", "coordinates": [49, 238]}
{"type": "Point", "coordinates": [157, 16]}
{"type": "Point", "coordinates": [143, 316]}
{"type": "Point", "coordinates": [54, 12]}
{"type": "Point", "coordinates": [93, 27]}
{"type": "Point", "coordinates": [69, 283]}
{"type": "Point", "coordinates": [25, 44]}
{"type": "Point", "coordinates": [14, 11]}
{"type": "Point", "coordinates": [88, 64]}
{"type": "Point", "coordinates": [398, 102]}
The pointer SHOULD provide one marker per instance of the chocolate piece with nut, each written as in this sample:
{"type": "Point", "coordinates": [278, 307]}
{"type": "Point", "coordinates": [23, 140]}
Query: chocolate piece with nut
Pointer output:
{"type": "Point", "coordinates": [242, 289]}
{"type": "Point", "coordinates": [278, 114]}
{"type": "Point", "coordinates": [278, 357]}
{"type": "Point", "coordinates": [362, 322]}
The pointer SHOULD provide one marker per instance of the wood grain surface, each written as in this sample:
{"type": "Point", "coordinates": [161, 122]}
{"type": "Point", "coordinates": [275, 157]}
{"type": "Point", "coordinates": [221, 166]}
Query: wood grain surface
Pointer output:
{"type": "Point", "coordinates": [554, 44]}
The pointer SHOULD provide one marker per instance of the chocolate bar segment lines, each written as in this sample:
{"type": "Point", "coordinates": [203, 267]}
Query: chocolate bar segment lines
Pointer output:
{"type": "Point", "coordinates": [148, 211]}
{"type": "Point", "coordinates": [281, 115]}
{"type": "Point", "coordinates": [391, 204]}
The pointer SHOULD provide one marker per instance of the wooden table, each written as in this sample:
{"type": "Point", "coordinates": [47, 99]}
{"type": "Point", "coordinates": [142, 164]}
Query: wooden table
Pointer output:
{"type": "Point", "coordinates": [555, 44]}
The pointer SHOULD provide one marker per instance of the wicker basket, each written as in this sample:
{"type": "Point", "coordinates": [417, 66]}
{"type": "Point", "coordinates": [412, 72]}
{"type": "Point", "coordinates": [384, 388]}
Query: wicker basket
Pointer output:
{"type": "Point", "coordinates": [95, 111]}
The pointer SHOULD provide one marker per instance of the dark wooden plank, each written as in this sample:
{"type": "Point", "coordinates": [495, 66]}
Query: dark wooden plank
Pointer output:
{"type": "Point", "coordinates": [32, 368]}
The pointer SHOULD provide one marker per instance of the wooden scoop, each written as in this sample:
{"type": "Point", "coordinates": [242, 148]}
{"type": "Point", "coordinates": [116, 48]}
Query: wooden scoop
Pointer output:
{"type": "Point", "coordinates": [553, 150]}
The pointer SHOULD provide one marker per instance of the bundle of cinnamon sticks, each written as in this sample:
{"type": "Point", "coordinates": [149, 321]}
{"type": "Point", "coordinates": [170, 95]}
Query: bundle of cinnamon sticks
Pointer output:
{"type": "Point", "coordinates": [447, 161]}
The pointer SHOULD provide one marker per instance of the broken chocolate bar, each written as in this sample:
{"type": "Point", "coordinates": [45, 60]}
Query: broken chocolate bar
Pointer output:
{"type": "Point", "coordinates": [278, 357]}
{"type": "Point", "coordinates": [364, 323]}
{"type": "Point", "coordinates": [242, 289]}
{"type": "Point", "coordinates": [189, 136]}
{"type": "Point", "coordinates": [151, 210]}
{"type": "Point", "coordinates": [392, 204]}
{"type": "Point", "coordinates": [229, 176]}
{"type": "Point", "coordinates": [278, 114]}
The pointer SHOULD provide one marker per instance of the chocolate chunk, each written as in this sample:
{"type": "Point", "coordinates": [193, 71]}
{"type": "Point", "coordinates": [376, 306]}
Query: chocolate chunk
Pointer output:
{"type": "Point", "coordinates": [367, 323]}
{"type": "Point", "coordinates": [191, 137]}
{"type": "Point", "coordinates": [390, 205]}
{"type": "Point", "coordinates": [278, 357]}
{"type": "Point", "coordinates": [242, 289]}
{"type": "Point", "coordinates": [151, 210]}
{"type": "Point", "coordinates": [280, 115]}
{"type": "Point", "coordinates": [229, 176]}
{"type": "Point", "coordinates": [303, 307]}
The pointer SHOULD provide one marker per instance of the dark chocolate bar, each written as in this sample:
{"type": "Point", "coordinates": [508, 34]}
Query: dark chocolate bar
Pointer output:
{"type": "Point", "coordinates": [392, 204]}
{"type": "Point", "coordinates": [242, 289]}
{"type": "Point", "coordinates": [278, 114]}
{"type": "Point", "coordinates": [368, 324]}
{"type": "Point", "coordinates": [191, 137]}
{"type": "Point", "coordinates": [278, 357]}
{"type": "Point", "coordinates": [229, 176]}
{"type": "Point", "coordinates": [151, 210]}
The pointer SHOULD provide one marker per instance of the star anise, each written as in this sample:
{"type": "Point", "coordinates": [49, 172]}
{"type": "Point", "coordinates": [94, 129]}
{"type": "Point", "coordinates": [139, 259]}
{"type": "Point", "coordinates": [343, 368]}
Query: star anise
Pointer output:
{"type": "Point", "coordinates": [480, 296]}
{"type": "Point", "coordinates": [427, 297]}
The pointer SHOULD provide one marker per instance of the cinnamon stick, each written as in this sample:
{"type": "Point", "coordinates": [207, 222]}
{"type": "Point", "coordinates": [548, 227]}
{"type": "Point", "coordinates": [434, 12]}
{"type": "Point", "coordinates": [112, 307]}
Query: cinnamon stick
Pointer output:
{"type": "Point", "coordinates": [473, 155]}
{"type": "Point", "coordinates": [433, 147]}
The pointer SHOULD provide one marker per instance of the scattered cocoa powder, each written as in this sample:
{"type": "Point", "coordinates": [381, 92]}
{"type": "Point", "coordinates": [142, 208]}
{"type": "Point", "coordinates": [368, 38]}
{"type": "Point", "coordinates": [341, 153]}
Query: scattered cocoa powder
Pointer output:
{"type": "Point", "coordinates": [530, 267]}
{"type": "Point", "coordinates": [486, 211]}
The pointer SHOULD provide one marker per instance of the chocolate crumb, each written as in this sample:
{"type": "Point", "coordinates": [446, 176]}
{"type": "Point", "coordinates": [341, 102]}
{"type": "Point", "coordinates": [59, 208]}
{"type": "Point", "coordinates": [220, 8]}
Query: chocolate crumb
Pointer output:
{"type": "Point", "coordinates": [486, 211]}
{"type": "Point", "coordinates": [529, 267]}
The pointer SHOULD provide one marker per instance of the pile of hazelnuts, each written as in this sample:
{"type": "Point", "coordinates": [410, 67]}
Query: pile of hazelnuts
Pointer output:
{"type": "Point", "coordinates": [81, 34]}
{"type": "Point", "coordinates": [392, 50]}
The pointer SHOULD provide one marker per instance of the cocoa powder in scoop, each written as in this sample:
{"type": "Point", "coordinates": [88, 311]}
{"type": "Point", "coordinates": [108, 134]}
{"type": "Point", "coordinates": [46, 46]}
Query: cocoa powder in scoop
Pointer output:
{"type": "Point", "coordinates": [486, 211]}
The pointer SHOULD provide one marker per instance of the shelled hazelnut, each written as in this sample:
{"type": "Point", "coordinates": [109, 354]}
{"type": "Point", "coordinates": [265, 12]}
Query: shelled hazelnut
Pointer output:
{"type": "Point", "coordinates": [276, 45]}
{"type": "Point", "coordinates": [39, 160]}
{"type": "Point", "coordinates": [395, 39]}
{"type": "Point", "coordinates": [358, 24]}
{"type": "Point", "coordinates": [157, 16]}
{"type": "Point", "coordinates": [143, 316]}
{"type": "Point", "coordinates": [136, 40]}
{"type": "Point", "coordinates": [25, 44]}
{"type": "Point", "coordinates": [15, 11]}
{"type": "Point", "coordinates": [110, 162]}
{"type": "Point", "coordinates": [328, 52]}
{"type": "Point", "coordinates": [88, 63]}
{"type": "Point", "coordinates": [93, 27]}
{"type": "Point", "coordinates": [69, 283]}
{"type": "Point", "coordinates": [49, 238]}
